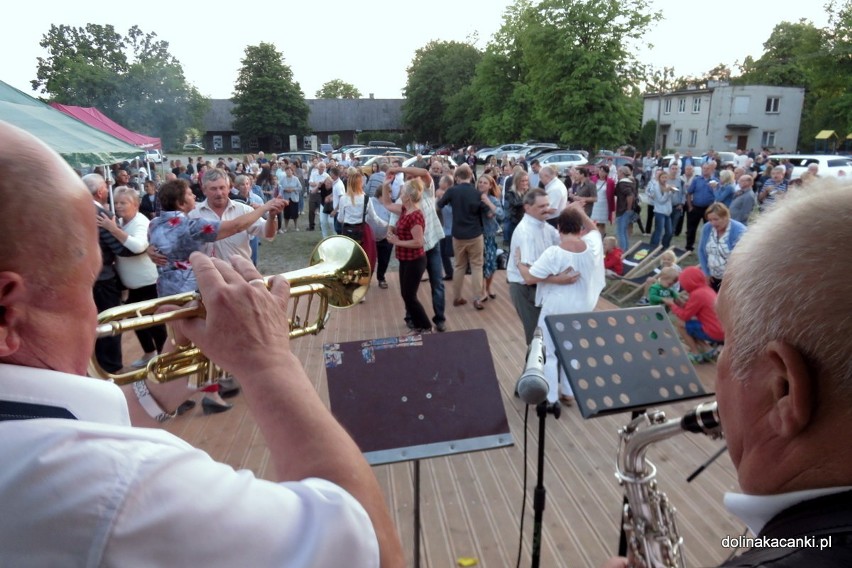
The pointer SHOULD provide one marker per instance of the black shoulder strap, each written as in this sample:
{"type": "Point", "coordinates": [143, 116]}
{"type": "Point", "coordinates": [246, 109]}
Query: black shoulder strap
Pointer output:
{"type": "Point", "coordinates": [10, 410]}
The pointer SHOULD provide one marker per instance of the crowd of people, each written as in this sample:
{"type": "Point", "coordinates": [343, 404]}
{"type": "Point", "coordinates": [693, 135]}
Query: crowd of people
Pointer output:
{"type": "Point", "coordinates": [110, 493]}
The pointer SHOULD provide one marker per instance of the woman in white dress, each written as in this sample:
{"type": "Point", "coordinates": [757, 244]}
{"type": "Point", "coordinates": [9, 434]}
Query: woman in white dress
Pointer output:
{"type": "Point", "coordinates": [580, 249]}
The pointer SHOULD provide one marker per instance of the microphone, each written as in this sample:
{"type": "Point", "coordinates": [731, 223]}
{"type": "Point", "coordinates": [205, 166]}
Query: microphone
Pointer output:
{"type": "Point", "coordinates": [532, 387]}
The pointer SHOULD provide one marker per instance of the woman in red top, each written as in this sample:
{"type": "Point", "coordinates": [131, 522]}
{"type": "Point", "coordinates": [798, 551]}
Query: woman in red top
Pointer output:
{"type": "Point", "coordinates": [408, 241]}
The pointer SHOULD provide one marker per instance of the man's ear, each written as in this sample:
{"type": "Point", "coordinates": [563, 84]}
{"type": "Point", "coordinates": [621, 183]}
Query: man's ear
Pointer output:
{"type": "Point", "coordinates": [793, 388]}
{"type": "Point", "coordinates": [12, 292]}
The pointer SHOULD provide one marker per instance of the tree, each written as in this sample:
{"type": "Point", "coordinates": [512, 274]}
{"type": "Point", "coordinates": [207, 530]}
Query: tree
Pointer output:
{"type": "Point", "coordinates": [268, 104]}
{"type": "Point", "coordinates": [338, 89]}
{"type": "Point", "coordinates": [133, 78]}
{"type": "Point", "coordinates": [564, 70]}
{"type": "Point", "coordinates": [438, 72]}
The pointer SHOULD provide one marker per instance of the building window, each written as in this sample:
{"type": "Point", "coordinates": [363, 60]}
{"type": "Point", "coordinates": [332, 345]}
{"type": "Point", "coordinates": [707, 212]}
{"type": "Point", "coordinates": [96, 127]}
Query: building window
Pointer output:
{"type": "Point", "coordinates": [667, 107]}
{"type": "Point", "coordinates": [693, 138]}
{"type": "Point", "coordinates": [768, 139]}
{"type": "Point", "coordinates": [681, 105]}
{"type": "Point", "coordinates": [696, 104]}
{"type": "Point", "coordinates": [772, 104]}
{"type": "Point", "coordinates": [678, 137]}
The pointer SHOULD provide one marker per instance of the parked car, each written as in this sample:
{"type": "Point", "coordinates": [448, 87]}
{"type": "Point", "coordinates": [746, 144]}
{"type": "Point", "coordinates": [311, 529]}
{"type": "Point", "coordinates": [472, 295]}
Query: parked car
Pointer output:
{"type": "Point", "coordinates": [532, 152]}
{"type": "Point", "coordinates": [193, 148]}
{"type": "Point", "coordinates": [326, 148]}
{"type": "Point", "coordinates": [829, 165]}
{"type": "Point", "coordinates": [506, 151]}
{"type": "Point", "coordinates": [304, 155]}
{"type": "Point", "coordinates": [562, 161]}
{"type": "Point", "coordinates": [482, 152]}
{"type": "Point", "coordinates": [362, 153]}
{"type": "Point", "coordinates": [725, 158]}
{"type": "Point", "coordinates": [442, 157]}
{"type": "Point", "coordinates": [154, 155]}
{"type": "Point", "coordinates": [611, 160]}
{"type": "Point", "coordinates": [343, 151]}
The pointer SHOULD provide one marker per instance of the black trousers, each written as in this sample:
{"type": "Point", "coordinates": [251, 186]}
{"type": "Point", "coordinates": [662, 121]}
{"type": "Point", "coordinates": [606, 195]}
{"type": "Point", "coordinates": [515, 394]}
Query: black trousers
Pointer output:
{"type": "Point", "coordinates": [314, 204]}
{"type": "Point", "coordinates": [693, 219]}
{"type": "Point", "coordinates": [150, 338]}
{"type": "Point", "coordinates": [649, 219]}
{"type": "Point", "coordinates": [108, 349]}
{"type": "Point", "coordinates": [410, 272]}
{"type": "Point", "coordinates": [383, 255]}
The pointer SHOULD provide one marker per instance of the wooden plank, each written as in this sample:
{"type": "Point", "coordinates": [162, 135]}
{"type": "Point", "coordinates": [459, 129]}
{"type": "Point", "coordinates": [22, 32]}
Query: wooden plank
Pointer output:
{"type": "Point", "coordinates": [471, 503]}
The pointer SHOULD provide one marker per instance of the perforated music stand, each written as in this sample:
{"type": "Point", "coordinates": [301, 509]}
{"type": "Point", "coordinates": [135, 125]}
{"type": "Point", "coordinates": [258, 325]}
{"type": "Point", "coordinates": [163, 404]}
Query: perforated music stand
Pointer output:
{"type": "Point", "coordinates": [620, 360]}
{"type": "Point", "coordinates": [414, 397]}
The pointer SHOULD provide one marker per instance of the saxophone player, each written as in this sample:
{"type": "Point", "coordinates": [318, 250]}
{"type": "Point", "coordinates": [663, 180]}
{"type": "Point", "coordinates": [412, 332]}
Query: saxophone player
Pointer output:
{"type": "Point", "coordinates": [81, 484]}
{"type": "Point", "coordinates": [784, 381]}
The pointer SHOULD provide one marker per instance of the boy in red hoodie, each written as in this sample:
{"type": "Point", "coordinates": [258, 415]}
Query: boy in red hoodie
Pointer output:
{"type": "Point", "coordinates": [697, 321]}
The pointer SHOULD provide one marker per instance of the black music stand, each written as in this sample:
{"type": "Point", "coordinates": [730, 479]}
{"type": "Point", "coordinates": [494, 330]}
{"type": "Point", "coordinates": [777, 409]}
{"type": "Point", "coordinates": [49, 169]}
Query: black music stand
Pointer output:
{"type": "Point", "coordinates": [415, 397]}
{"type": "Point", "coordinates": [618, 360]}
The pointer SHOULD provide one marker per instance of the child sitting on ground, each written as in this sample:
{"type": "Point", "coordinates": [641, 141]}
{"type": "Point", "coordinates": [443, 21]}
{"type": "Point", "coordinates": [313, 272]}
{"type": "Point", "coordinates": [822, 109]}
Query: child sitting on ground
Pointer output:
{"type": "Point", "coordinates": [664, 287]}
{"type": "Point", "coordinates": [667, 260]}
{"type": "Point", "coordinates": [697, 324]}
{"type": "Point", "coordinates": [612, 258]}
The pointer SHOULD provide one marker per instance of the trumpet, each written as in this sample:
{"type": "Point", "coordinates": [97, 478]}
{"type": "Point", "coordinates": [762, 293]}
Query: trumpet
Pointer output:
{"type": "Point", "coordinates": [338, 275]}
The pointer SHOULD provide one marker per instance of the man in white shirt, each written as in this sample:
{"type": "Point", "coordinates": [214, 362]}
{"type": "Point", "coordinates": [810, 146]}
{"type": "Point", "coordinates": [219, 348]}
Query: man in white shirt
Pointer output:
{"type": "Point", "coordinates": [338, 190]}
{"type": "Point", "coordinates": [109, 494]}
{"type": "Point", "coordinates": [535, 170]}
{"type": "Point", "coordinates": [784, 382]}
{"type": "Point", "coordinates": [218, 206]}
{"type": "Point", "coordinates": [557, 193]}
{"type": "Point", "coordinates": [531, 237]}
{"type": "Point", "coordinates": [316, 178]}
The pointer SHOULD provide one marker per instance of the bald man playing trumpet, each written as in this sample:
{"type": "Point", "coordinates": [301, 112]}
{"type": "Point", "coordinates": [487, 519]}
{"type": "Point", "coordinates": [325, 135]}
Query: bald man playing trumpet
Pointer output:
{"type": "Point", "coordinates": [82, 484]}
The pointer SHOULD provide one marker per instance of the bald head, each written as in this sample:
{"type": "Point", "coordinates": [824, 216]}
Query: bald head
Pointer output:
{"type": "Point", "coordinates": [48, 313]}
{"type": "Point", "coordinates": [45, 209]}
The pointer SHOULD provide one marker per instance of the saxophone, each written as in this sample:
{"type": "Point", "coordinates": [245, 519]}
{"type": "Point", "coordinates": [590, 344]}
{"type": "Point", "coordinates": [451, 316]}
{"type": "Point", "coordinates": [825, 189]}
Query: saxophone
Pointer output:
{"type": "Point", "coordinates": [649, 518]}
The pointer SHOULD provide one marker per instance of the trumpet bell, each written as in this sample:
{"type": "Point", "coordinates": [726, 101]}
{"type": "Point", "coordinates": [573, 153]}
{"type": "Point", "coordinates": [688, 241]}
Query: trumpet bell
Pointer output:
{"type": "Point", "coordinates": [338, 275]}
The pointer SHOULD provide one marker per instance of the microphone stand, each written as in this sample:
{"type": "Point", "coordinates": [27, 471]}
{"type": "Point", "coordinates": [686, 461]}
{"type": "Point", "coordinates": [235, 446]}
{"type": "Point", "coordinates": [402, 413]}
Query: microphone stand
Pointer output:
{"type": "Point", "coordinates": [542, 409]}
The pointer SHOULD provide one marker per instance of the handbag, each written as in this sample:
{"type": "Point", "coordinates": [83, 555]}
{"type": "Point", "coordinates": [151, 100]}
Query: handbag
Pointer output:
{"type": "Point", "coordinates": [356, 231]}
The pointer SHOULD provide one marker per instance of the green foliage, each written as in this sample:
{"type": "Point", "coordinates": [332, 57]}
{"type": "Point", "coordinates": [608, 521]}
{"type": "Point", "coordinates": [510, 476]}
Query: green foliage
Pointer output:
{"type": "Point", "coordinates": [646, 136]}
{"type": "Point", "coordinates": [563, 70]}
{"type": "Point", "coordinates": [268, 104]}
{"type": "Point", "coordinates": [132, 79]}
{"type": "Point", "coordinates": [439, 71]}
{"type": "Point", "coordinates": [337, 89]}
{"type": "Point", "coordinates": [818, 59]}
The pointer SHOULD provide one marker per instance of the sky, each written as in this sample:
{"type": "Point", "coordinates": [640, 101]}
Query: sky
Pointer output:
{"type": "Point", "coordinates": [371, 43]}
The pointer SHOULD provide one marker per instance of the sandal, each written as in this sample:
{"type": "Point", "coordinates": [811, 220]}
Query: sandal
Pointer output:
{"type": "Point", "coordinates": [383, 284]}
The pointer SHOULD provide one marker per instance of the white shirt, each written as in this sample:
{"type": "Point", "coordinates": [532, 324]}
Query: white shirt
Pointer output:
{"type": "Point", "coordinates": [757, 510]}
{"type": "Point", "coordinates": [97, 492]}
{"type": "Point", "coordinates": [316, 178]}
{"type": "Point", "coordinates": [235, 244]}
{"type": "Point", "coordinates": [532, 237]}
{"type": "Point", "coordinates": [338, 190]}
{"type": "Point", "coordinates": [136, 271]}
{"type": "Point", "coordinates": [557, 194]}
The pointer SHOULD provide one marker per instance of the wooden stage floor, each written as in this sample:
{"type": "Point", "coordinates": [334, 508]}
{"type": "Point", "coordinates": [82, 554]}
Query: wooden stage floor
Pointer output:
{"type": "Point", "coordinates": [471, 503]}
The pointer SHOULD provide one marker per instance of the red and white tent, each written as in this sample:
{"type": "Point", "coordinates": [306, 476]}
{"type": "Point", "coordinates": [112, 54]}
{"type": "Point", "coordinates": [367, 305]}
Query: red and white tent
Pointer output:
{"type": "Point", "coordinates": [96, 119]}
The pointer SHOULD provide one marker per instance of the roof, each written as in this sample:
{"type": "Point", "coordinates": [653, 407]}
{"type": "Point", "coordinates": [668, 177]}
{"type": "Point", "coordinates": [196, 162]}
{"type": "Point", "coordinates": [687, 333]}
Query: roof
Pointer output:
{"type": "Point", "coordinates": [96, 119]}
{"type": "Point", "coordinates": [325, 115]}
{"type": "Point", "coordinates": [78, 143]}
{"type": "Point", "coordinates": [825, 135]}
{"type": "Point", "coordinates": [218, 117]}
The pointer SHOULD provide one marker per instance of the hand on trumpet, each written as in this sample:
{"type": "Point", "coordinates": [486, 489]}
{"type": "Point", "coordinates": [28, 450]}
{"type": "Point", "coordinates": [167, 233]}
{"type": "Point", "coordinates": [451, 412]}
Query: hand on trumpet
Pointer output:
{"type": "Point", "coordinates": [245, 331]}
